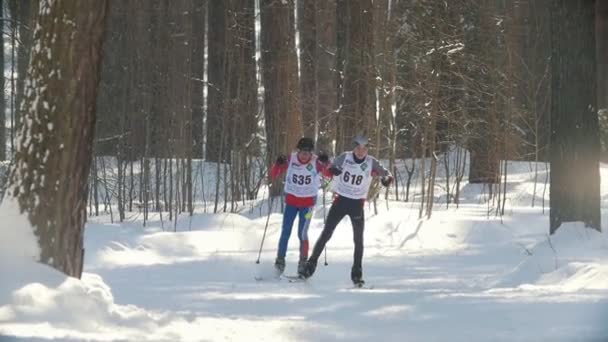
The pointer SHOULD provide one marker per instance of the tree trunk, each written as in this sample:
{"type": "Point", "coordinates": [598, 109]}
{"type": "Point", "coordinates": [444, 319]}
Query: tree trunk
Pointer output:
{"type": "Point", "coordinates": [307, 27]}
{"type": "Point", "coordinates": [95, 186]}
{"type": "Point", "coordinates": [342, 24]}
{"type": "Point", "coordinates": [317, 69]}
{"type": "Point", "coordinates": [480, 41]}
{"type": "Point", "coordinates": [280, 77]}
{"type": "Point", "coordinates": [112, 97]}
{"type": "Point", "coordinates": [2, 98]}
{"type": "Point", "coordinates": [326, 75]}
{"type": "Point", "coordinates": [358, 109]}
{"type": "Point", "coordinates": [247, 95]}
{"type": "Point", "coordinates": [13, 81]}
{"type": "Point", "coordinates": [410, 174]}
{"type": "Point", "coordinates": [197, 75]}
{"type": "Point", "coordinates": [601, 25]}
{"type": "Point", "coordinates": [52, 161]}
{"type": "Point", "coordinates": [575, 178]}
{"type": "Point", "coordinates": [216, 79]}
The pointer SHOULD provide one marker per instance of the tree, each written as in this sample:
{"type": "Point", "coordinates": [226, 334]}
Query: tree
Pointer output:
{"type": "Point", "coordinates": [358, 107]}
{"type": "Point", "coordinates": [2, 98]}
{"type": "Point", "coordinates": [241, 95]}
{"type": "Point", "coordinates": [307, 27]}
{"type": "Point", "coordinates": [283, 116]}
{"type": "Point", "coordinates": [326, 75]}
{"type": "Point", "coordinates": [601, 21]}
{"type": "Point", "coordinates": [575, 178]}
{"type": "Point", "coordinates": [51, 169]}
{"type": "Point", "coordinates": [197, 74]}
{"type": "Point", "coordinates": [216, 97]}
{"type": "Point", "coordinates": [317, 28]}
{"type": "Point", "coordinates": [480, 42]}
{"type": "Point", "coordinates": [601, 26]}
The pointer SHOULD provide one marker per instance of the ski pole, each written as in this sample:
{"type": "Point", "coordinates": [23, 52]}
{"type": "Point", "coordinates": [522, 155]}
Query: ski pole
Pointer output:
{"type": "Point", "coordinates": [324, 221]}
{"type": "Point", "coordinates": [270, 200]}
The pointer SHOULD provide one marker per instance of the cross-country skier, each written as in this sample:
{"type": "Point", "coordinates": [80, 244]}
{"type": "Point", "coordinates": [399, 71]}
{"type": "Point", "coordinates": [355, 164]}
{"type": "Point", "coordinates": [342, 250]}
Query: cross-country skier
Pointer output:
{"type": "Point", "coordinates": [352, 172]}
{"type": "Point", "coordinates": [303, 171]}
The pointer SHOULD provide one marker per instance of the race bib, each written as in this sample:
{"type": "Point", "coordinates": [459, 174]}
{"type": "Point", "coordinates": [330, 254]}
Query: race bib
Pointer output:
{"type": "Point", "coordinates": [302, 180]}
{"type": "Point", "coordinates": [355, 179]}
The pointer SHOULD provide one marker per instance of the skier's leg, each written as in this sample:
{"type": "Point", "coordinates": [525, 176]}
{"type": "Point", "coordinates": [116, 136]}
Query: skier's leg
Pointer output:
{"type": "Point", "coordinates": [357, 218]}
{"type": "Point", "coordinates": [289, 216]}
{"type": "Point", "coordinates": [335, 215]}
{"type": "Point", "coordinates": [303, 224]}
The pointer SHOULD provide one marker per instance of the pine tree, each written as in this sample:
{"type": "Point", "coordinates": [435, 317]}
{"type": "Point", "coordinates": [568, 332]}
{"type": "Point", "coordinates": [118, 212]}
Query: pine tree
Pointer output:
{"type": "Point", "coordinates": [280, 78]}
{"type": "Point", "coordinates": [575, 178]}
{"type": "Point", "coordinates": [50, 174]}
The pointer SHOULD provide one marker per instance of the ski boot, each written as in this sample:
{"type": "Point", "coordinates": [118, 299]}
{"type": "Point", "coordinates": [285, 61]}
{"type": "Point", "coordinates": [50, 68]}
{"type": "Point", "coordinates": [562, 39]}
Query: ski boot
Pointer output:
{"type": "Point", "coordinates": [302, 268]}
{"type": "Point", "coordinates": [357, 276]}
{"type": "Point", "coordinates": [309, 268]}
{"type": "Point", "coordinates": [279, 266]}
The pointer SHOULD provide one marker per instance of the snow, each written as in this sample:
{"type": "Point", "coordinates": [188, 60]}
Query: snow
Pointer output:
{"type": "Point", "coordinates": [463, 275]}
{"type": "Point", "coordinates": [16, 235]}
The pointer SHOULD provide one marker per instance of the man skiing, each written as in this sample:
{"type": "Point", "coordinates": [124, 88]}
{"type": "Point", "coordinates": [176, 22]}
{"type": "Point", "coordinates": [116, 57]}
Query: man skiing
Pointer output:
{"type": "Point", "coordinates": [353, 172]}
{"type": "Point", "coordinates": [303, 170]}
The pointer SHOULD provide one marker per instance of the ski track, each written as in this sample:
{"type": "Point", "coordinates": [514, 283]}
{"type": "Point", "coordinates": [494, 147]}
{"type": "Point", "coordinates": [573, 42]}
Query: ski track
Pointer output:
{"type": "Point", "coordinates": [412, 292]}
{"type": "Point", "coordinates": [463, 275]}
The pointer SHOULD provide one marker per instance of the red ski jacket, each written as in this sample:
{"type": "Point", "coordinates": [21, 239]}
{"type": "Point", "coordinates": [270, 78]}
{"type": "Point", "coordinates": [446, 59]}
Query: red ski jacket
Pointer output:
{"type": "Point", "coordinates": [299, 202]}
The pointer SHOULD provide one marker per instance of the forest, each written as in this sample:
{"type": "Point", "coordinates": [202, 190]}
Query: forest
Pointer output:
{"type": "Point", "coordinates": [143, 145]}
{"type": "Point", "coordinates": [192, 85]}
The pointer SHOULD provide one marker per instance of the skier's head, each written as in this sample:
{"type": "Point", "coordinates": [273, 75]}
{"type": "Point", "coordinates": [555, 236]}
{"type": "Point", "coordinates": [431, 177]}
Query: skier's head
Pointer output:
{"type": "Point", "coordinates": [360, 145]}
{"type": "Point", "coordinates": [305, 147]}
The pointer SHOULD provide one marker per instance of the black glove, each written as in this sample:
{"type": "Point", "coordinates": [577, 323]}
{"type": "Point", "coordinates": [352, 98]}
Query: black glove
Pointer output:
{"type": "Point", "coordinates": [323, 157]}
{"type": "Point", "coordinates": [386, 181]}
{"type": "Point", "coordinates": [335, 171]}
{"type": "Point", "coordinates": [281, 160]}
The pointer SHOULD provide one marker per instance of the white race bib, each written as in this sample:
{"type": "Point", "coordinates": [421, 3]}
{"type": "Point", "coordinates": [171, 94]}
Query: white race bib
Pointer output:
{"type": "Point", "coordinates": [355, 179]}
{"type": "Point", "coordinates": [302, 180]}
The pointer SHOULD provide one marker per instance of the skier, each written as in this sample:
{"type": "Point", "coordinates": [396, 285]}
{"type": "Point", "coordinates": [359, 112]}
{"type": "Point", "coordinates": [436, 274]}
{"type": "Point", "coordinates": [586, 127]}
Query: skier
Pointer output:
{"type": "Point", "coordinates": [303, 170]}
{"type": "Point", "coordinates": [353, 172]}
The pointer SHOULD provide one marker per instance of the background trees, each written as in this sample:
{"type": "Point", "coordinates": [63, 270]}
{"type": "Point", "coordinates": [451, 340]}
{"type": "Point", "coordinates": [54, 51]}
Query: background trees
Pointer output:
{"type": "Point", "coordinates": [194, 88]}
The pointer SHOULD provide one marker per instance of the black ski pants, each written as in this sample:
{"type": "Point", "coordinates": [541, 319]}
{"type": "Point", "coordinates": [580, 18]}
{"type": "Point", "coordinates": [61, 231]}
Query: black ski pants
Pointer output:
{"type": "Point", "coordinates": [341, 207]}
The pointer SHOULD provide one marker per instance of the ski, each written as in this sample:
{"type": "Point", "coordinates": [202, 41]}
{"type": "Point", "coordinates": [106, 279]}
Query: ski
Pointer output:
{"type": "Point", "coordinates": [290, 278]}
{"type": "Point", "coordinates": [260, 278]}
{"type": "Point", "coordinates": [294, 278]}
{"type": "Point", "coordinates": [361, 285]}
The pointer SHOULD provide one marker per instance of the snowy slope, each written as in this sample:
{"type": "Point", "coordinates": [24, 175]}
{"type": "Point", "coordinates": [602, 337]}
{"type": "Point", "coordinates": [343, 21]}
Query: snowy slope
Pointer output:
{"type": "Point", "coordinates": [463, 275]}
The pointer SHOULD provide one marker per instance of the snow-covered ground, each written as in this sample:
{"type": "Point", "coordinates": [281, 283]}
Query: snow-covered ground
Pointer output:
{"type": "Point", "coordinates": [464, 275]}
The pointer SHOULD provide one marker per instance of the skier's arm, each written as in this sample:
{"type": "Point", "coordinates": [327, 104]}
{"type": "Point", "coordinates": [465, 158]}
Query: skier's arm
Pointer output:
{"type": "Point", "coordinates": [379, 170]}
{"type": "Point", "coordinates": [279, 167]}
{"type": "Point", "coordinates": [323, 164]}
{"type": "Point", "coordinates": [335, 168]}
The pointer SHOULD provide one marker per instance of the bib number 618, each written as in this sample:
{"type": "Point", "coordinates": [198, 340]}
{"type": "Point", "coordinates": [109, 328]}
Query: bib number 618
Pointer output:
{"type": "Point", "coordinates": [352, 179]}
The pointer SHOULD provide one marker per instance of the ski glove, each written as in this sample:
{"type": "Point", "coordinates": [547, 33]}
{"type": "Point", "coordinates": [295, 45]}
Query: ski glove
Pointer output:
{"type": "Point", "coordinates": [386, 181]}
{"type": "Point", "coordinates": [335, 171]}
{"type": "Point", "coordinates": [323, 157]}
{"type": "Point", "coordinates": [281, 160]}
